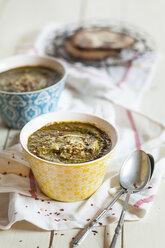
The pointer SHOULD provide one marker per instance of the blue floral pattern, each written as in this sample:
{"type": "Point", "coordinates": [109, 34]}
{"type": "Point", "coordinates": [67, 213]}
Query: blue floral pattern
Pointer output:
{"type": "Point", "coordinates": [18, 108]}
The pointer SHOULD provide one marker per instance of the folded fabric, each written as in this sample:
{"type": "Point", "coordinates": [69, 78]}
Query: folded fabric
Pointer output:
{"type": "Point", "coordinates": [94, 91]}
{"type": "Point", "coordinates": [27, 202]}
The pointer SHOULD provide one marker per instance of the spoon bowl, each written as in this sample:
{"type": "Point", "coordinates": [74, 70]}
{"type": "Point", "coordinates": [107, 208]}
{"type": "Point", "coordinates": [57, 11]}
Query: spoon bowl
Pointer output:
{"type": "Point", "coordinates": [136, 171]}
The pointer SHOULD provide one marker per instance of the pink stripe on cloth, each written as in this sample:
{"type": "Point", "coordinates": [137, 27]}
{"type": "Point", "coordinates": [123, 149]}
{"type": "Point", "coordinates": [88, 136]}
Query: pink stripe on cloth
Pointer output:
{"type": "Point", "coordinates": [137, 140]}
{"type": "Point", "coordinates": [32, 185]}
{"type": "Point", "coordinates": [124, 76]}
{"type": "Point", "coordinates": [145, 200]}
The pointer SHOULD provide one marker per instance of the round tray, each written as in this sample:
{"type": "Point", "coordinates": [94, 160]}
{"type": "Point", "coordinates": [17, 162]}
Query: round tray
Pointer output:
{"type": "Point", "coordinates": [144, 43]}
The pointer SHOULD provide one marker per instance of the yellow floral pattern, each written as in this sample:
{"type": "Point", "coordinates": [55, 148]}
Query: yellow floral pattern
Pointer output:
{"type": "Point", "coordinates": [69, 182]}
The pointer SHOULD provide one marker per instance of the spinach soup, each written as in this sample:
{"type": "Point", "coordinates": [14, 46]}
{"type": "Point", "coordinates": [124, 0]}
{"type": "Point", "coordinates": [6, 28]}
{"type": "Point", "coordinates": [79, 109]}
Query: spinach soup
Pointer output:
{"type": "Point", "coordinates": [69, 142]}
{"type": "Point", "coordinates": [28, 78]}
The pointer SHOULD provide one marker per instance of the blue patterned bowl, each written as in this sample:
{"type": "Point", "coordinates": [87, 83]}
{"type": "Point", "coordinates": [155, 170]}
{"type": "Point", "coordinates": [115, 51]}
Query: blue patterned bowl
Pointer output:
{"type": "Point", "coordinates": [16, 109]}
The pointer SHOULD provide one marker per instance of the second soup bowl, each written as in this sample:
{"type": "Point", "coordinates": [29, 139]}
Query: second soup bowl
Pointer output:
{"type": "Point", "coordinates": [17, 108]}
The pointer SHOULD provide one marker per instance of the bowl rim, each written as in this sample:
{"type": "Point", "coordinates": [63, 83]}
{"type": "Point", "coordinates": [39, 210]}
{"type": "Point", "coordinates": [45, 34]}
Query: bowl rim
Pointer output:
{"type": "Point", "coordinates": [33, 56]}
{"type": "Point", "coordinates": [70, 164]}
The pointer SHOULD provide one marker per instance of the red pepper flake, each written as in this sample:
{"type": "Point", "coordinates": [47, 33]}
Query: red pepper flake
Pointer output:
{"type": "Point", "coordinates": [20, 174]}
{"type": "Point", "coordinates": [42, 200]}
{"type": "Point", "coordinates": [87, 219]}
{"type": "Point", "coordinates": [48, 202]}
{"type": "Point", "coordinates": [94, 231]}
{"type": "Point", "coordinates": [4, 173]}
{"type": "Point", "coordinates": [25, 176]}
{"type": "Point", "coordinates": [36, 199]}
{"type": "Point", "coordinates": [38, 212]}
{"type": "Point", "coordinates": [8, 162]}
{"type": "Point", "coordinates": [91, 204]}
{"type": "Point", "coordinates": [64, 219]}
{"type": "Point", "coordinates": [149, 187]}
{"type": "Point", "coordinates": [57, 220]}
{"type": "Point", "coordinates": [135, 185]}
{"type": "Point", "coordinates": [73, 238]}
{"type": "Point", "coordinates": [62, 234]}
{"type": "Point", "coordinates": [50, 213]}
{"type": "Point", "coordinates": [110, 208]}
{"type": "Point", "coordinates": [20, 240]}
{"type": "Point", "coordinates": [26, 206]}
{"type": "Point", "coordinates": [100, 223]}
{"type": "Point", "coordinates": [61, 209]}
{"type": "Point", "coordinates": [56, 213]}
{"type": "Point", "coordinates": [113, 214]}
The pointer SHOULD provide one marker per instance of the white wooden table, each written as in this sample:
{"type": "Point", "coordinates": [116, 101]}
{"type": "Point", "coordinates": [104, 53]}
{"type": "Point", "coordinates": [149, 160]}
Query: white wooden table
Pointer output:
{"type": "Point", "coordinates": [20, 22]}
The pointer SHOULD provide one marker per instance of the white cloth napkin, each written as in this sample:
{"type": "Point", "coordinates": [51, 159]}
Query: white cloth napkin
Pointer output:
{"type": "Point", "coordinates": [89, 90]}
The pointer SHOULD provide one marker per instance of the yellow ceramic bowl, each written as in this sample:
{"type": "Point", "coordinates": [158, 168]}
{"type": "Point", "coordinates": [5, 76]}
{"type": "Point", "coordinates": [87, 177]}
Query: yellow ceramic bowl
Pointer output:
{"type": "Point", "coordinates": [68, 182]}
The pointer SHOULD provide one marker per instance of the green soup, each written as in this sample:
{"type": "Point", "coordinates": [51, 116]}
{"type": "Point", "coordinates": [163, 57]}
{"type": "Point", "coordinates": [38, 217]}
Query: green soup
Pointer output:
{"type": "Point", "coordinates": [28, 78]}
{"type": "Point", "coordinates": [69, 142]}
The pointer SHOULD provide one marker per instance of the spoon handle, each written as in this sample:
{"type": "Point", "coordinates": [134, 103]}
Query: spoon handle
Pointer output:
{"type": "Point", "coordinates": [82, 235]}
{"type": "Point", "coordinates": [121, 221]}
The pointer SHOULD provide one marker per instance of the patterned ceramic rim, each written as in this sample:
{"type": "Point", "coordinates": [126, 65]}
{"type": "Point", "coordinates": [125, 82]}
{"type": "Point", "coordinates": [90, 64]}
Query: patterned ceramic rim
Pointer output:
{"type": "Point", "coordinates": [30, 123]}
{"type": "Point", "coordinates": [19, 57]}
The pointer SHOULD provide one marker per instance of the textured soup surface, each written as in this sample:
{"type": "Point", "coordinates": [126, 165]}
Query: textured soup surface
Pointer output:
{"type": "Point", "coordinates": [28, 78]}
{"type": "Point", "coordinates": [69, 142]}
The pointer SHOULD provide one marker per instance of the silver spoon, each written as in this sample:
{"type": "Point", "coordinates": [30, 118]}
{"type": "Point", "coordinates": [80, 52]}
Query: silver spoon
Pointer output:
{"type": "Point", "coordinates": [82, 235]}
{"type": "Point", "coordinates": [134, 176]}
